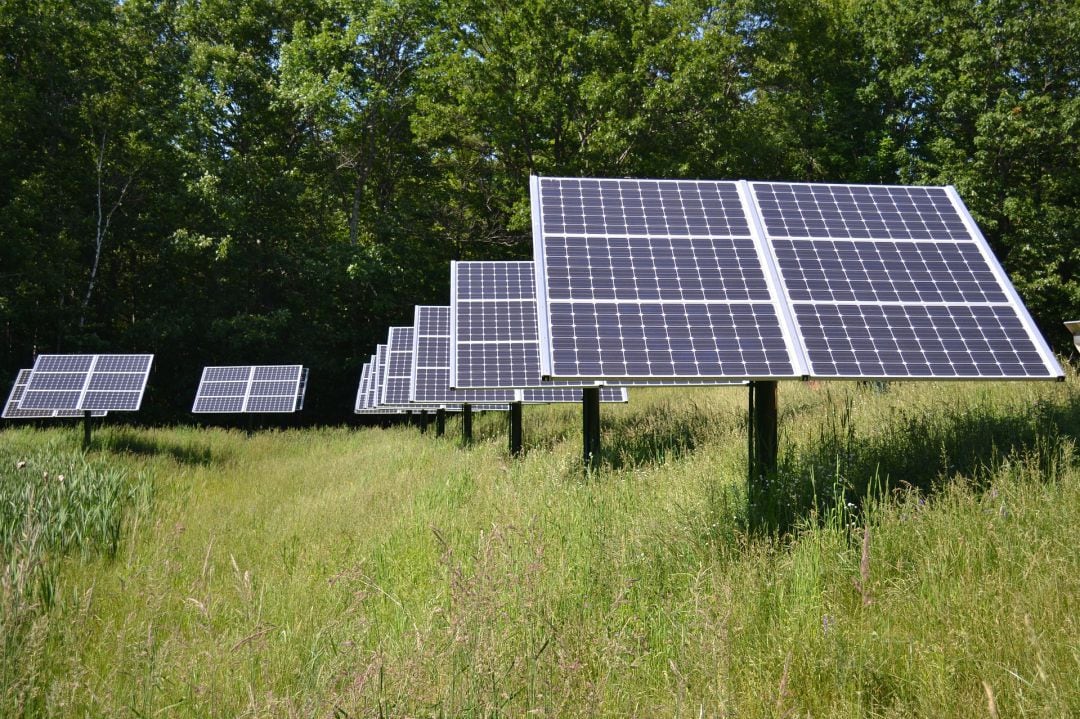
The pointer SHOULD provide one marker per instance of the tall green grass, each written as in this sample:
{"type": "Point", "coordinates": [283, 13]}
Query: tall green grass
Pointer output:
{"type": "Point", "coordinates": [926, 567]}
{"type": "Point", "coordinates": [54, 502]}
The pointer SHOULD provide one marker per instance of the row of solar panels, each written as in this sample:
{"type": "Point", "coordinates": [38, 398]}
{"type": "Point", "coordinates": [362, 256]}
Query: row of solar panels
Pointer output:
{"type": "Point", "coordinates": [71, 385]}
{"type": "Point", "coordinates": [679, 282]}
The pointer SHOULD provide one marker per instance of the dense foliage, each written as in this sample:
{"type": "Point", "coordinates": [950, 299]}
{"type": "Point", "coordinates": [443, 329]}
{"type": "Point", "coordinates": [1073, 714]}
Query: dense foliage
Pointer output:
{"type": "Point", "coordinates": [224, 181]}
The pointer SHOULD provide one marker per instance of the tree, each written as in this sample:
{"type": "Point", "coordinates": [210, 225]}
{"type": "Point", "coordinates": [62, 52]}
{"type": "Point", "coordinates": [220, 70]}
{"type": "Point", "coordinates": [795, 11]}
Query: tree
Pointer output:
{"type": "Point", "coordinates": [986, 96]}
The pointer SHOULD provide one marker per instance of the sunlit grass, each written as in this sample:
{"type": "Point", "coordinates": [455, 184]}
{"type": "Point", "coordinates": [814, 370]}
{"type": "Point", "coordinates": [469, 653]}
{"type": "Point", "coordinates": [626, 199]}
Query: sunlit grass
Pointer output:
{"type": "Point", "coordinates": [380, 572]}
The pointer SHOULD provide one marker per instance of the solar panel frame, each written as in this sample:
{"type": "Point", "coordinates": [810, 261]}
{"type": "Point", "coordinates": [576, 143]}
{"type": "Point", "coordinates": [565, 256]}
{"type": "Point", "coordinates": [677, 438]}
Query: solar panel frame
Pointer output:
{"type": "Point", "coordinates": [86, 382]}
{"type": "Point", "coordinates": [250, 389]}
{"type": "Point", "coordinates": [688, 318]}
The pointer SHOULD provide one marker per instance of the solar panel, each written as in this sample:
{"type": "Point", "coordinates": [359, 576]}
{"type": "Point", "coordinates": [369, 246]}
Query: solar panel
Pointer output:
{"type": "Point", "coordinates": [12, 411]}
{"type": "Point", "coordinates": [431, 366]}
{"type": "Point", "coordinates": [896, 282]}
{"type": "Point", "coordinates": [556, 395]}
{"type": "Point", "coordinates": [361, 390]}
{"type": "Point", "coordinates": [398, 379]}
{"type": "Point", "coordinates": [251, 389]}
{"type": "Point", "coordinates": [78, 383]}
{"type": "Point", "coordinates": [378, 378]}
{"type": "Point", "coordinates": [665, 279]}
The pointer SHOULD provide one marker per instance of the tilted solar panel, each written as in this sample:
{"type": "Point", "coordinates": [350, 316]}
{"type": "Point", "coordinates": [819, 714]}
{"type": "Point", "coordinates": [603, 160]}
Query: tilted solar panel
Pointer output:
{"type": "Point", "coordinates": [398, 378]}
{"type": "Point", "coordinates": [250, 389]}
{"type": "Point", "coordinates": [896, 282]}
{"type": "Point", "coordinates": [659, 279]}
{"type": "Point", "coordinates": [431, 366]}
{"type": "Point", "coordinates": [361, 390]}
{"type": "Point", "coordinates": [12, 411]}
{"type": "Point", "coordinates": [77, 383]}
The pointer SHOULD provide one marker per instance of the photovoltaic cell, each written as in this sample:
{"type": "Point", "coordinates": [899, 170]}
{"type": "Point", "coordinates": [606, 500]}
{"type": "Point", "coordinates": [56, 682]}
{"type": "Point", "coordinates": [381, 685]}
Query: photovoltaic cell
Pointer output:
{"type": "Point", "coordinates": [896, 282]}
{"type": "Point", "coordinates": [78, 383]}
{"type": "Point", "coordinates": [654, 280]}
{"type": "Point", "coordinates": [251, 389]}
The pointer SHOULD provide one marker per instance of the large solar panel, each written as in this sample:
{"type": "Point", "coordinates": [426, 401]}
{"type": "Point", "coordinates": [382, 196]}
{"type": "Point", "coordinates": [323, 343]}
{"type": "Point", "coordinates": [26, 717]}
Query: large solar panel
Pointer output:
{"type": "Point", "coordinates": [251, 389]}
{"type": "Point", "coordinates": [896, 282]}
{"type": "Point", "coordinates": [78, 383]}
{"type": "Point", "coordinates": [661, 279]}
{"type": "Point", "coordinates": [12, 411]}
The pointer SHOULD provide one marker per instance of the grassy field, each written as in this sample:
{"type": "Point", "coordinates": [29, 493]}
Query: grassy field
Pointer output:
{"type": "Point", "coordinates": [926, 564]}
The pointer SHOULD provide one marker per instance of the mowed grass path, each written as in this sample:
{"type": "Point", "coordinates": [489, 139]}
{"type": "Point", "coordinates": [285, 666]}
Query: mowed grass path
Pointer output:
{"type": "Point", "coordinates": [371, 572]}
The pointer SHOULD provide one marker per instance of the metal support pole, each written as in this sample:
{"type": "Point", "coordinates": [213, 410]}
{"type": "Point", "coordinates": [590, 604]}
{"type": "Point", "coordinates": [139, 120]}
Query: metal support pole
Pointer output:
{"type": "Point", "coordinates": [440, 422]}
{"type": "Point", "coordinates": [515, 429]}
{"type": "Point", "coordinates": [590, 426]}
{"type": "Point", "coordinates": [466, 423]}
{"type": "Point", "coordinates": [87, 422]}
{"type": "Point", "coordinates": [423, 421]}
{"type": "Point", "coordinates": [764, 446]}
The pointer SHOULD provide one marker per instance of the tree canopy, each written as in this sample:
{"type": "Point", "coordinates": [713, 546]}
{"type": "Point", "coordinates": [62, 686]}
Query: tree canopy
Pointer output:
{"type": "Point", "coordinates": [242, 181]}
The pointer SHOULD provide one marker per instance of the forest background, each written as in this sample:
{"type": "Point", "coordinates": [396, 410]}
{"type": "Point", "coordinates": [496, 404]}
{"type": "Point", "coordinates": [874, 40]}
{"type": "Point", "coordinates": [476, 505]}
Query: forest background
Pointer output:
{"type": "Point", "coordinates": [278, 181]}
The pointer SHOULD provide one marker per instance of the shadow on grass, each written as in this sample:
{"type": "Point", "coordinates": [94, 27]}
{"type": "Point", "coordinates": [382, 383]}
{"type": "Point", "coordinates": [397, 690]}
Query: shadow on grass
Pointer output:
{"type": "Point", "coordinates": [123, 440]}
{"type": "Point", "coordinates": [666, 434]}
{"type": "Point", "coordinates": [916, 450]}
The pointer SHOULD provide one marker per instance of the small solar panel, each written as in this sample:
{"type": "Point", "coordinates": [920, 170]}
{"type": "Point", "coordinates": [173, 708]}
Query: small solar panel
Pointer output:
{"type": "Point", "coordinates": [896, 282]}
{"type": "Point", "coordinates": [361, 390]}
{"type": "Point", "coordinates": [12, 411]}
{"type": "Point", "coordinates": [251, 389]}
{"type": "Point", "coordinates": [557, 395]}
{"type": "Point", "coordinates": [395, 387]}
{"type": "Point", "coordinates": [431, 366]}
{"type": "Point", "coordinates": [78, 383]}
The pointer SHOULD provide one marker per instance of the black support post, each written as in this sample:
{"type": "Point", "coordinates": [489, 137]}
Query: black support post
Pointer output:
{"type": "Point", "coordinates": [87, 424]}
{"type": "Point", "coordinates": [515, 429]}
{"type": "Point", "coordinates": [590, 426]}
{"type": "Point", "coordinates": [423, 421]}
{"type": "Point", "coordinates": [466, 423]}
{"type": "Point", "coordinates": [763, 444]}
{"type": "Point", "coordinates": [440, 422]}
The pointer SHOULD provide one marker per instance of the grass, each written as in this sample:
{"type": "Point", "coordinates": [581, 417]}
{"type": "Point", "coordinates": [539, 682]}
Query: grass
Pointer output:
{"type": "Point", "coordinates": [928, 566]}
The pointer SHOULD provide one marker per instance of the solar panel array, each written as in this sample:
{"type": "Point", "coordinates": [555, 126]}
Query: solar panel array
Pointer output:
{"type": "Point", "coordinates": [79, 383]}
{"type": "Point", "coordinates": [662, 279]}
{"type": "Point", "coordinates": [251, 389]}
{"type": "Point", "coordinates": [12, 411]}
